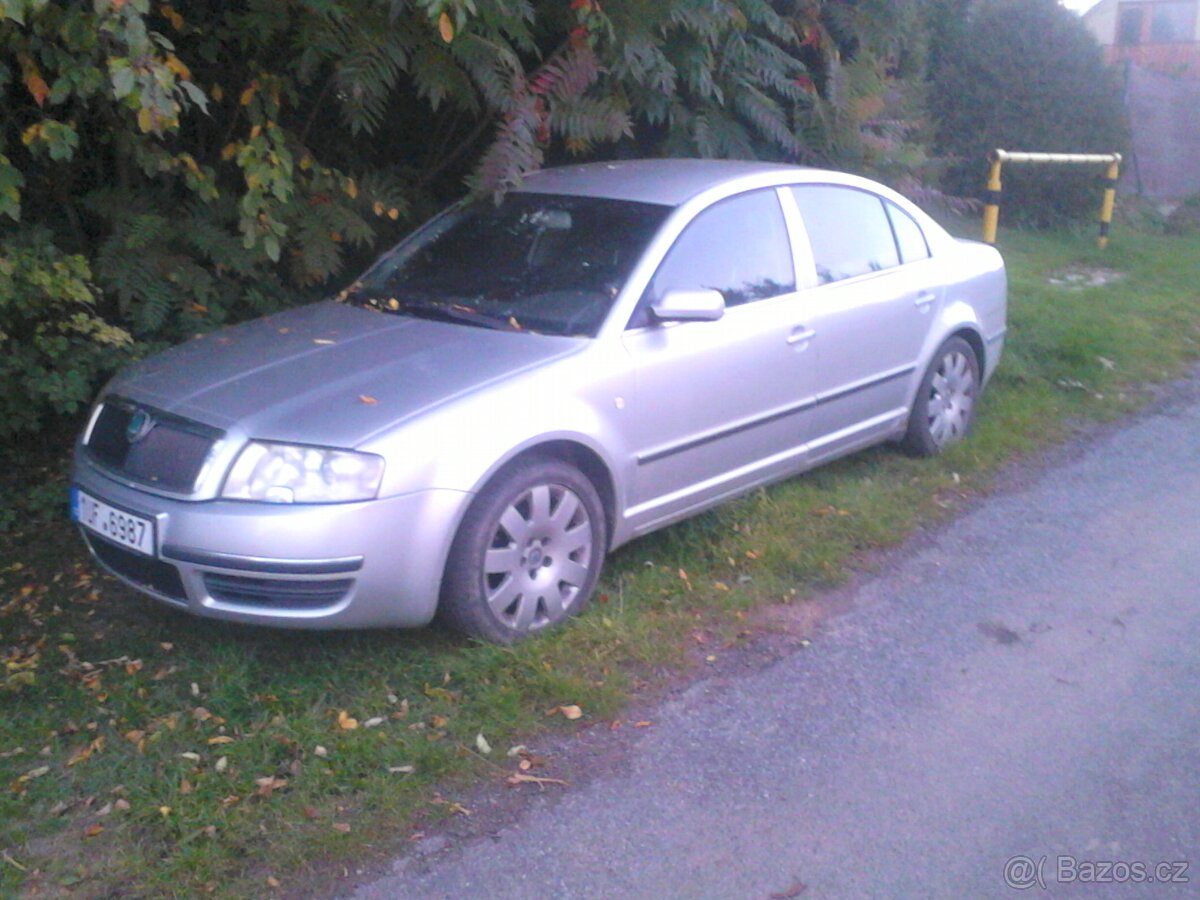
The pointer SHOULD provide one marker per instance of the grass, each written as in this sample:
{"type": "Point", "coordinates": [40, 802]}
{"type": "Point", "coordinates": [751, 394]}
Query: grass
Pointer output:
{"type": "Point", "coordinates": [143, 753]}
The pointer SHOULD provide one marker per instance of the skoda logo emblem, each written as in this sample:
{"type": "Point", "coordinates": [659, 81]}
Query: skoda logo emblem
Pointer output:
{"type": "Point", "coordinates": [141, 423]}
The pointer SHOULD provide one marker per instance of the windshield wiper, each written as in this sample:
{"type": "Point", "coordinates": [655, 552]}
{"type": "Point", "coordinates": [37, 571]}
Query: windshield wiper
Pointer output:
{"type": "Point", "coordinates": [445, 312]}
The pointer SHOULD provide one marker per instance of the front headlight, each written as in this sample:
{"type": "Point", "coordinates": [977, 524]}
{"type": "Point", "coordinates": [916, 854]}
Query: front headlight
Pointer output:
{"type": "Point", "coordinates": [291, 473]}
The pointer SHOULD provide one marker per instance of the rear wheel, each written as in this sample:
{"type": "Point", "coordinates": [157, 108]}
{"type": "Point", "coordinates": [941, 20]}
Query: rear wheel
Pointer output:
{"type": "Point", "coordinates": [527, 555]}
{"type": "Point", "coordinates": [944, 408]}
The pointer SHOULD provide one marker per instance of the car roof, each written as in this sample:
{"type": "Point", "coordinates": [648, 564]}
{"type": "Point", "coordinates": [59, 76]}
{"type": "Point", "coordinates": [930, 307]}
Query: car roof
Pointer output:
{"type": "Point", "coordinates": [668, 182]}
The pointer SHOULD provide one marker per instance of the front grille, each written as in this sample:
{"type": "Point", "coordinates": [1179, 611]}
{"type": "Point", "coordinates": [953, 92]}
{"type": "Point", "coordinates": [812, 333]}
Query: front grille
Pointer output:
{"type": "Point", "coordinates": [170, 455]}
{"type": "Point", "coordinates": [158, 576]}
{"type": "Point", "coordinates": [276, 593]}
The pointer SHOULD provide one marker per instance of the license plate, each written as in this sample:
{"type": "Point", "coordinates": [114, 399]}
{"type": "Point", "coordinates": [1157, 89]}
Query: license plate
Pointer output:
{"type": "Point", "coordinates": [117, 525]}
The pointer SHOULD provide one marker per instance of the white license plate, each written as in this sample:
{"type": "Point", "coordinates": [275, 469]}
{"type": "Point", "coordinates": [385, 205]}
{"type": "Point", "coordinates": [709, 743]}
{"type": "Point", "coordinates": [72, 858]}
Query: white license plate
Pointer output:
{"type": "Point", "coordinates": [117, 525]}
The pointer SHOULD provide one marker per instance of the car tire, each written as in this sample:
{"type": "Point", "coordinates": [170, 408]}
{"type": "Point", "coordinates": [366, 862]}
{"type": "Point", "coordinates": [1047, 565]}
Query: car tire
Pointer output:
{"type": "Point", "coordinates": [944, 408]}
{"type": "Point", "coordinates": [527, 555]}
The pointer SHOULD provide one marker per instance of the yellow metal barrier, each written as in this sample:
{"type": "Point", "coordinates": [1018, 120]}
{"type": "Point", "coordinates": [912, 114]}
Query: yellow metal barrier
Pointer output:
{"type": "Point", "coordinates": [991, 209]}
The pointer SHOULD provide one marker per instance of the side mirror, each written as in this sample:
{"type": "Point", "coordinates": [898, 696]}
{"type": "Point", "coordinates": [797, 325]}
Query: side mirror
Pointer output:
{"type": "Point", "coordinates": [689, 306]}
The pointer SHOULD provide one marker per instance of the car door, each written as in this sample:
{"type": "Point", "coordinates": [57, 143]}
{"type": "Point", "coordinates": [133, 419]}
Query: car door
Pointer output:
{"type": "Point", "coordinates": [722, 404]}
{"type": "Point", "coordinates": [871, 313]}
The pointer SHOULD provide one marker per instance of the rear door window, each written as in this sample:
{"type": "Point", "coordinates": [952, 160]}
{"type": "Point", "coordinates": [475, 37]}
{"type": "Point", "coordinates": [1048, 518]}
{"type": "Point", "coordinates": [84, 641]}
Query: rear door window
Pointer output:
{"type": "Point", "coordinates": [848, 229]}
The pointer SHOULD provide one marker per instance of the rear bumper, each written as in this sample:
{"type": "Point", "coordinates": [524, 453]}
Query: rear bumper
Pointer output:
{"type": "Point", "coordinates": [349, 565]}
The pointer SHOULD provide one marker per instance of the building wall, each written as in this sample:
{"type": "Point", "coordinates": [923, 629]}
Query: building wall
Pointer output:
{"type": "Point", "coordinates": [1180, 56]}
{"type": "Point", "coordinates": [1165, 114]}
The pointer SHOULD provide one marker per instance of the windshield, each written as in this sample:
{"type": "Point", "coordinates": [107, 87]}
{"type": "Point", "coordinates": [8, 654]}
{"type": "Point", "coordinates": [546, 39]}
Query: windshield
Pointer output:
{"type": "Point", "coordinates": [537, 262]}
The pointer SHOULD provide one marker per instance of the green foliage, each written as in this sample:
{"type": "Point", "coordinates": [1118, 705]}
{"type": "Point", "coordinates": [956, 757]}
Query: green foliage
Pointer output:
{"type": "Point", "coordinates": [215, 160]}
{"type": "Point", "coordinates": [53, 346]}
{"type": "Point", "coordinates": [1024, 75]}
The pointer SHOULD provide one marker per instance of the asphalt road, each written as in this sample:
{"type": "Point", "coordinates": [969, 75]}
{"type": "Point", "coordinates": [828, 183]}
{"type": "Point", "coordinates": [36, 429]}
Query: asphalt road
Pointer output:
{"type": "Point", "coordinates": [1024, 682]}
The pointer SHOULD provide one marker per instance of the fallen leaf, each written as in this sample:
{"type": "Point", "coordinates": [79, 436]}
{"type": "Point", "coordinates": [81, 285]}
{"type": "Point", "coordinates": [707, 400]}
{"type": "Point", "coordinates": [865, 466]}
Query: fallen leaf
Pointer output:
{"type": "Point", "coordinates": [482, 744]}
{"type": "Point", "coordinates": [310, 812]}
{"type": "Point", "coordinates": [320, 751]}
{"type": "Point", "coordinates": [323, 341]}
{"type": "Point", "coordinates": [370, 401]}
{"type": "Point", "coordinates": [200, 714]}
{"type": "Point", "coordinates": [222, 764]}
{"type": "Point", "coordinates": [517, 750]}
{"type": "Point", "coordinates": [272, 881]}
{"type": "Point", "coordinates": [92, 830]}
{"type": "Point", "coordinates": [374, 722]}
{"type": "Point", "coordinates": [521, 778]}
{"type": "Point", "coordinates": [438, 721]}
{"type": "Point", "coordinates": [268, 784]}
{"type": "Point", "coordinates": [345, 721]}
{"type": "Point", "coordinates": [445, 29]}
{"type": "Point", "coordinates": [643, 724]}
{"type": "Point", "coordinates": [185, 787]}
{"type": "Point", "coordinates": [164, 811]}
{"type": "Point", "coordinates": [221, 739]}
{"type": "Point", "coordinates": [401, 770]}
{"type": "Point", "coordinates": [167, 646]}
{"type": "Point", "coordinates": [343, 827]}
{"type": "Point", "coordinates": [34, 773]}
{"type": "Point", "coordinates": [571, 712]}
{"type": "Point", "coordinates": [194, 757]}
{"type": "Point", "coordinates": [121, 804]}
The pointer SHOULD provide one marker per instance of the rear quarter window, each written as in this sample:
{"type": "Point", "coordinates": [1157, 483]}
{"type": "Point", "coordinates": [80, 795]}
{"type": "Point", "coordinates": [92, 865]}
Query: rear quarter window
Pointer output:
{"type": "Point", "coordinates": [848, 229]}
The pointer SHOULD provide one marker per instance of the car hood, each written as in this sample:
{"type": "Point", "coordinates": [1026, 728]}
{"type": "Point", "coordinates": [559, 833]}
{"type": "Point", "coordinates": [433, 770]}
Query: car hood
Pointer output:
{"type": "Point", "coordinates": [330, 373]}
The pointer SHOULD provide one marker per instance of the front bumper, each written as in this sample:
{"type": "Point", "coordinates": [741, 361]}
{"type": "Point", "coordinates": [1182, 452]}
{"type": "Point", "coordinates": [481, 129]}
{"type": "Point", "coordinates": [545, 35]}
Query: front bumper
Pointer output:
{"type": "Point", "coordinates": [377, 563]}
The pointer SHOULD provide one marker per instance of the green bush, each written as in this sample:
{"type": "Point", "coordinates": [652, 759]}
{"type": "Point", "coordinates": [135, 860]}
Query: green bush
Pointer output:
{"type": "Point", "coordinates": [54, 348]}
{"type": "Point", "coordinates": [1025, 75]}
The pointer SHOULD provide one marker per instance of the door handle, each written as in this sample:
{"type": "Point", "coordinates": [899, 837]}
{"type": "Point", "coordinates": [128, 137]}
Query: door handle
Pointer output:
{"type": "Point", "coordinates": [800, 335]}
{"type": "Point", "coordinates": [924, 299]}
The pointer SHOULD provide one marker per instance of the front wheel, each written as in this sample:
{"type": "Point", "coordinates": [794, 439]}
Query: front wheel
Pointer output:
{"type": "Point", "coordinates": [528, 553]}
{"type": "Point", "coordinates": [944, 408]}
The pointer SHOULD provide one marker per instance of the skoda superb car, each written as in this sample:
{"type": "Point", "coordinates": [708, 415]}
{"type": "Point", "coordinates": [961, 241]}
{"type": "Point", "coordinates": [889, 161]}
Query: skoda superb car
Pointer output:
{"type": "Point", "coordinates": [521, 386]}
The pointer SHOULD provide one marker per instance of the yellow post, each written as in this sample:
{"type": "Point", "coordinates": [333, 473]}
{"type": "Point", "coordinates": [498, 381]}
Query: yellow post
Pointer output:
{"type": "Point", "coordinates": [1110, 198]}
{"type": "Point", "coordinates": [991, 210]}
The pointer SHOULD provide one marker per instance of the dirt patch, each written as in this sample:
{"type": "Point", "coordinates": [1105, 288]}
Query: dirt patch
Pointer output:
{"type": "Point", "coordinates": [1077, 278]}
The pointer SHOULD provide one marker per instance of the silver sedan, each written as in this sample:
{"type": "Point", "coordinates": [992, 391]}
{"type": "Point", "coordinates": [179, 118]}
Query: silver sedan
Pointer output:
{"type": "Point", "coordinates": [521, 386]}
